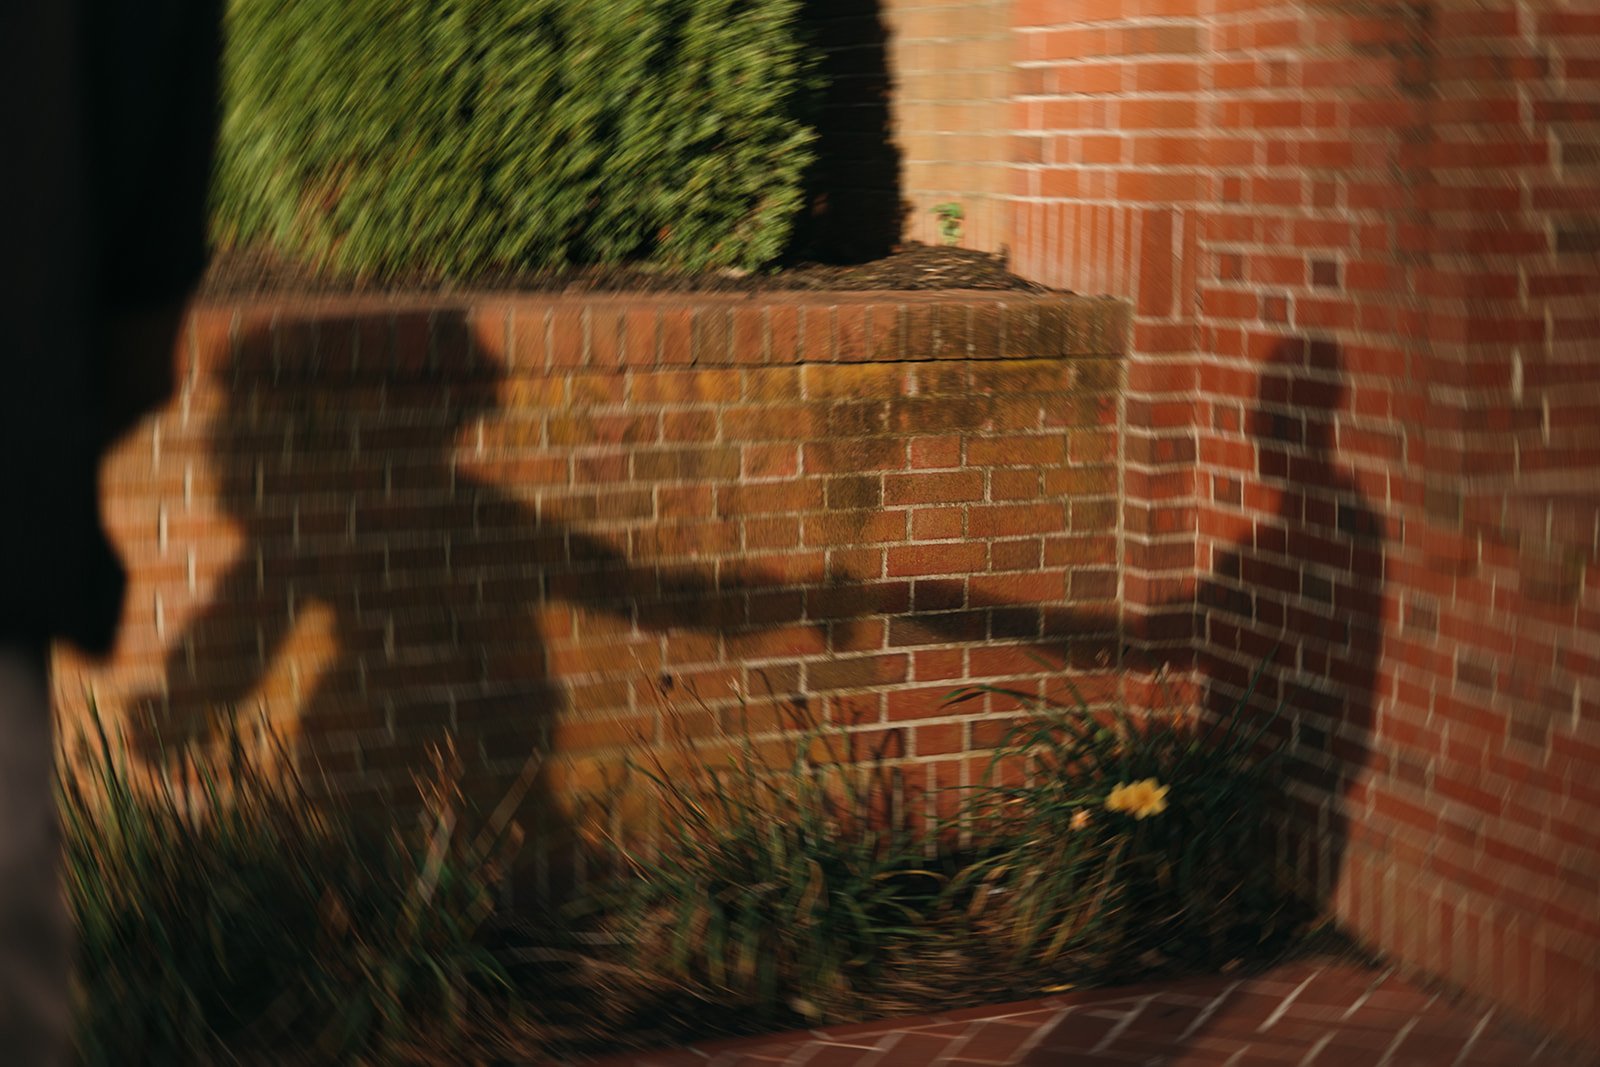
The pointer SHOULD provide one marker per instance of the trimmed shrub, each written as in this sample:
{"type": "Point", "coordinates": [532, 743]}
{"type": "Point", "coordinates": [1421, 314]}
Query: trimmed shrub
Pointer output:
{"type": "Point", "coordinates": [454, 138]}
{"type": "Point", "coordinates": [775, 885]}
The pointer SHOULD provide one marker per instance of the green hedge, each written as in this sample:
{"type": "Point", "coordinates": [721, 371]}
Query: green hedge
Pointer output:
{"type": "Point", "coordinates": [459, 137]}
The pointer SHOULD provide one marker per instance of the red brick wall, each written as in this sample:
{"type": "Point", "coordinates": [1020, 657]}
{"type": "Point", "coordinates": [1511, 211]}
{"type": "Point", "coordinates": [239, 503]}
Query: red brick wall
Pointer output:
{"type": "Point", "coordinates": [1360, 245]}
{"type": "Point", "coordinates": [515, 520]}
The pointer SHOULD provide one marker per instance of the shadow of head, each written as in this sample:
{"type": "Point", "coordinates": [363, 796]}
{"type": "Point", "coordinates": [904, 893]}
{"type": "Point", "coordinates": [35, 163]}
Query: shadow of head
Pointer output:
{"type": "Point", "coordinates": [329, 395]}
{"type": "Point", "coordinates": [364, 610]}
{"type": "Point", "coordinates": [1300, 391]}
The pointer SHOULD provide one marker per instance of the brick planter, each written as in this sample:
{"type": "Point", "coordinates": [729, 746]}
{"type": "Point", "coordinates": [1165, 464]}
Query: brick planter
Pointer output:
{"type": "Point", "coordinates": [520, 521]}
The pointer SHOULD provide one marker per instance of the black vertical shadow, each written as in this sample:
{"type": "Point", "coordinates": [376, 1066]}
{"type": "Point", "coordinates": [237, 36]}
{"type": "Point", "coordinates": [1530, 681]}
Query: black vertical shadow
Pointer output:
{"type": "Point", "coordinates": [854, 209]}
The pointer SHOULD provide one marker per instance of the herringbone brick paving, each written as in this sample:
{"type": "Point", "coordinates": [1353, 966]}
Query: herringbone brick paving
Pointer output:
{"type": "Point", "coordinates": [1304, 1014]}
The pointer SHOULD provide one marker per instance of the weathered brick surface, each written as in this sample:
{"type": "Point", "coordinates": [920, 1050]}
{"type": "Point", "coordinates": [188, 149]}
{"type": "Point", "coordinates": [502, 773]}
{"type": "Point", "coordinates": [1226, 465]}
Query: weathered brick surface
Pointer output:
{"type": "Point", "coordinates": [514, 520]}
{"type": "Point", "coordinates": [1363, 387]}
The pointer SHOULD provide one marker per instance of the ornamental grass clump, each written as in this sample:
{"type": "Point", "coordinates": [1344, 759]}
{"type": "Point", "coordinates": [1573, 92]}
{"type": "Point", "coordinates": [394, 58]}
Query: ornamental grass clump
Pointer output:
{"type": "Point", "coordinates": [773, 882]}
{"type": "Point", "coordinates": [223, 914]}
{"type": "Point", "coordinates": [1117, 844]}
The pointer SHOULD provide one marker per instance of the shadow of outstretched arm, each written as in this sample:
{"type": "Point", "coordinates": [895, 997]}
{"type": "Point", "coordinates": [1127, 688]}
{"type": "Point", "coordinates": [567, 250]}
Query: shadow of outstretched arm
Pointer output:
{"type": "Point", "coordinates": [659, 596]}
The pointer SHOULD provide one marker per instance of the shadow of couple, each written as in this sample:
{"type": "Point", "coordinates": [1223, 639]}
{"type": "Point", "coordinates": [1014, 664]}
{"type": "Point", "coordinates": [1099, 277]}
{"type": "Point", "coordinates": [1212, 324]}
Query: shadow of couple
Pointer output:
{"type": "Point", "coordinates": [465, 572]}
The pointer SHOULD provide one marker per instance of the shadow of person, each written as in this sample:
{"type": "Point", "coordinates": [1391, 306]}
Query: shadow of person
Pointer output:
{"type": "Point", "coordinates": [1299, 597]}
{"type": "Point", "coordinates": [392, 594]}
{"type": "Point", "coordinates": [1304, 594]}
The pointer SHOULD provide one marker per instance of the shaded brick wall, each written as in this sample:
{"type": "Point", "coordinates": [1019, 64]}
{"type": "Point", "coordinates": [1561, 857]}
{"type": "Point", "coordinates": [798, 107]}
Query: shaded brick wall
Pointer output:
{"type": "Point", "coordinates": [516, 521]}
{"type": "Point", "coordinates": [1359, 245]}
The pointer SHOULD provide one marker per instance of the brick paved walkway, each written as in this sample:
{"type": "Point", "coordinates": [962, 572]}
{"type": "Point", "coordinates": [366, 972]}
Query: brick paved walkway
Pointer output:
{"type": "Point", "coordinates": [1306, 1014]}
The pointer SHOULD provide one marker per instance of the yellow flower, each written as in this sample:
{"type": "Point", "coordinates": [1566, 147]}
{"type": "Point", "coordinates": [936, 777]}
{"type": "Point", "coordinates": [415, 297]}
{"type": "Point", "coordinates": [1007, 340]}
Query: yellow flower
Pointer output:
{"type": "Point", "coordinates": [1139, 799]}
{"type": "Point", "coordinates": [1080, 819]}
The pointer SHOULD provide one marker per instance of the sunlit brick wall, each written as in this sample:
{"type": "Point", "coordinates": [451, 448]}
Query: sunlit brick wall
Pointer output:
{"type": "Point", "coordinates": [952, 76]}
{"type": "Point", "coordinates": [1364, 387]}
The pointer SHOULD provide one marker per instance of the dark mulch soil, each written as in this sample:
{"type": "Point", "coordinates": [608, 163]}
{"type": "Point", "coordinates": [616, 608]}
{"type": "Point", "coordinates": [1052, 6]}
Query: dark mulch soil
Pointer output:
{"type": "Point", "coordinates": [254, 273]}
